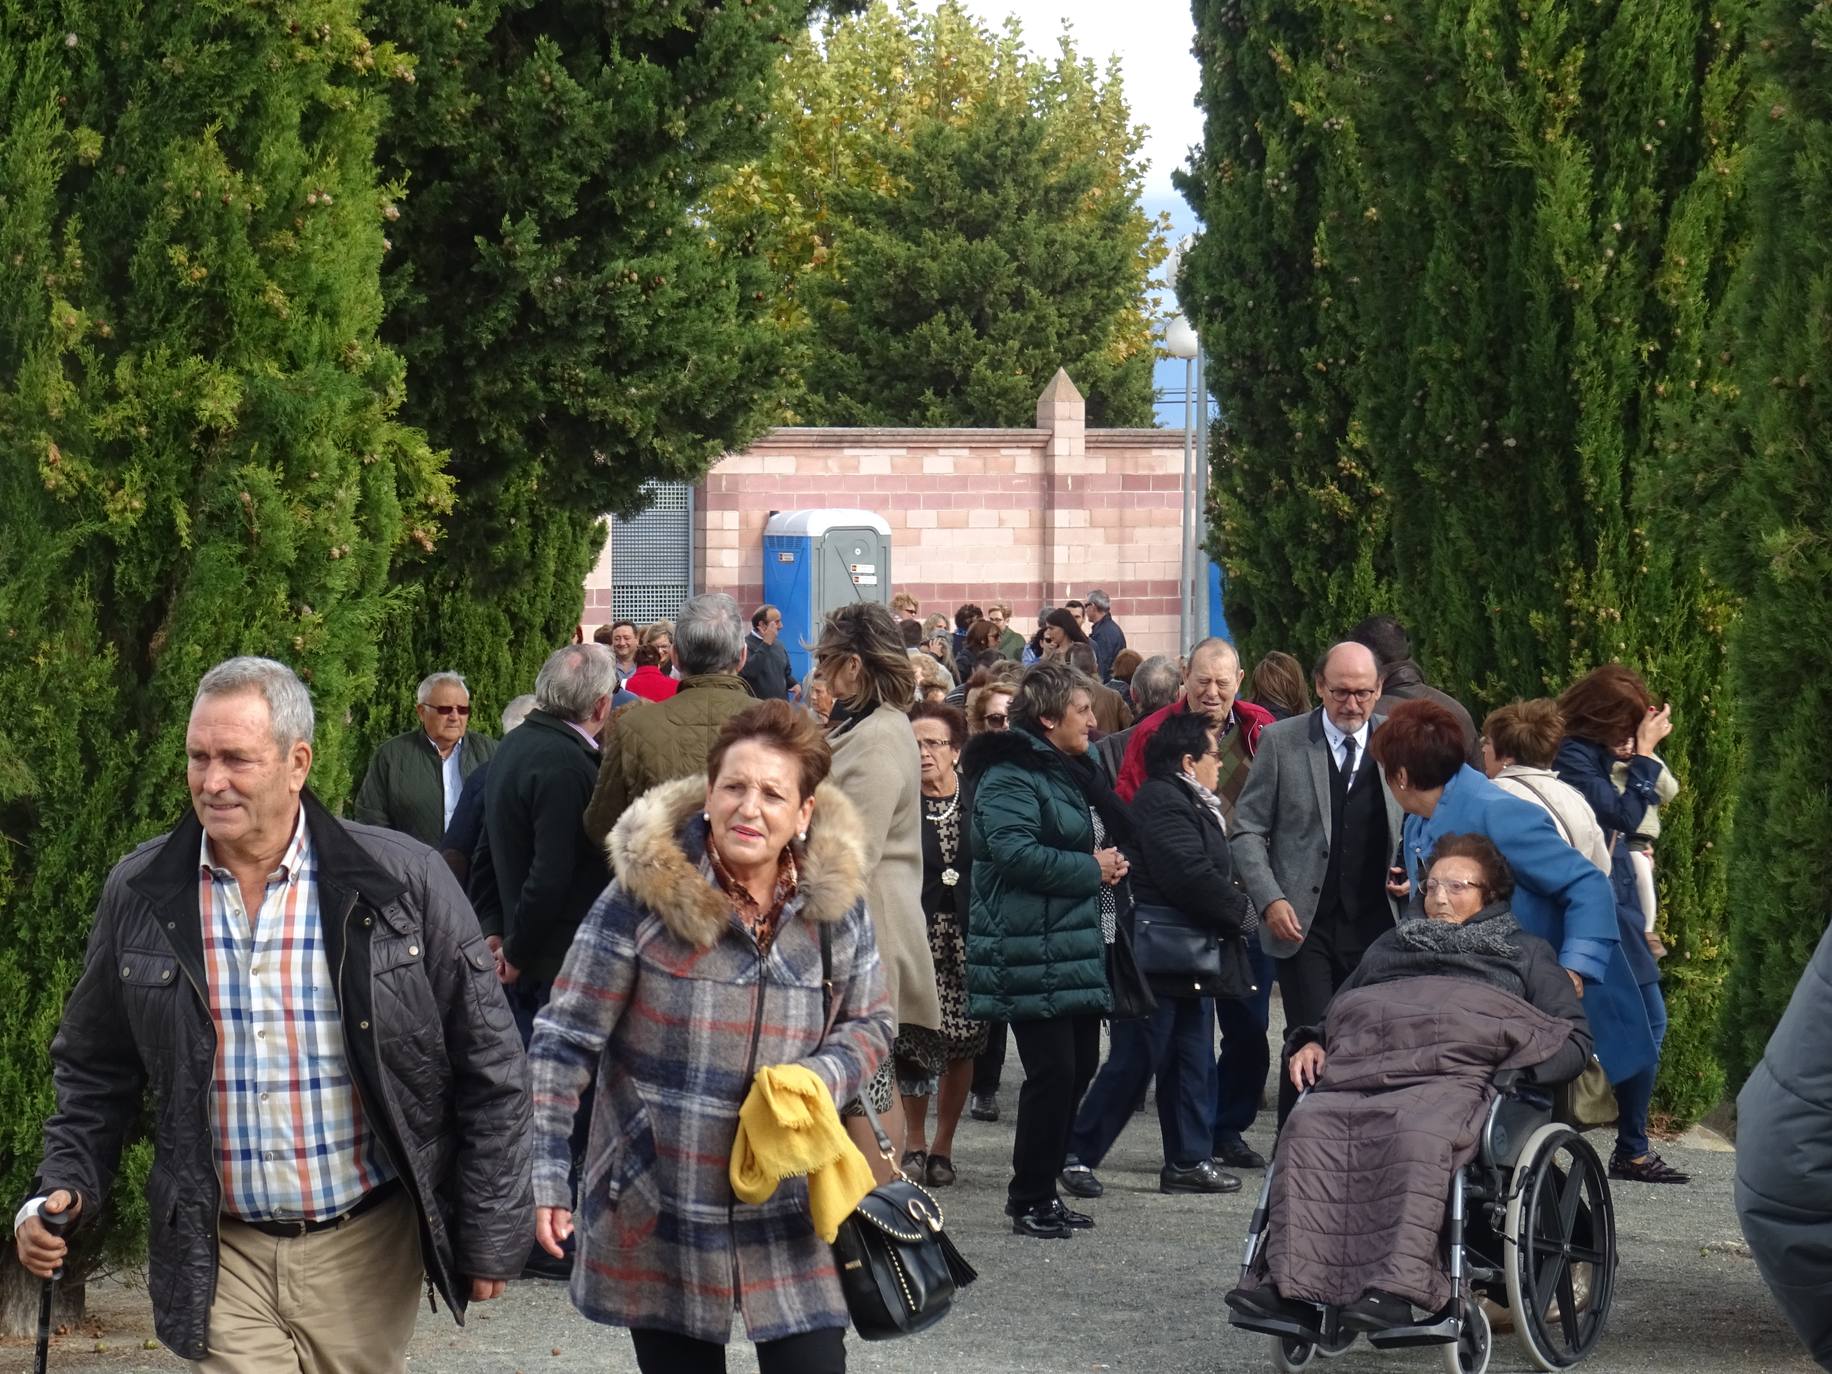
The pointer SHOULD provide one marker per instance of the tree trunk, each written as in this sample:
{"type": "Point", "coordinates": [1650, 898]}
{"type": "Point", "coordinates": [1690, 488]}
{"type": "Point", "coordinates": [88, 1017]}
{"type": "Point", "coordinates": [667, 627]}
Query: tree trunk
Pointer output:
{"type": "Point", "coordinates": [19, 1294]}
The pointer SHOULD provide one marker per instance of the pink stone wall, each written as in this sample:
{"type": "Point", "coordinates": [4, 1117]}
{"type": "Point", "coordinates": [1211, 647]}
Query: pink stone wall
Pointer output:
{"type": "Point", "coordinates": [1022, 516]}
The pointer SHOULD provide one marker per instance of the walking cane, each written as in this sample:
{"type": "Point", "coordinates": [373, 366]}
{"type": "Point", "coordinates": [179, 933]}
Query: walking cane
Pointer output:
{"type": "Point", "coordinates": [55, 1223]}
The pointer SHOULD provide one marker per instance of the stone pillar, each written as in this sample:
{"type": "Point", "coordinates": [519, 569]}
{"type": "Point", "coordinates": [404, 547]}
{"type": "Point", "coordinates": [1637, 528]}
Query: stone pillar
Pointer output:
{"type": "Point", "coordinates": [1064, 415]}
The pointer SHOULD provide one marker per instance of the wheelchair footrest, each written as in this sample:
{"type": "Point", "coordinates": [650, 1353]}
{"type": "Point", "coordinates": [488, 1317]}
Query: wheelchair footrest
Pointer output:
{"type": "Point", "coordinates": [1275, 1326]}
{"type": "Point", "coordinates": [1442, 1332]}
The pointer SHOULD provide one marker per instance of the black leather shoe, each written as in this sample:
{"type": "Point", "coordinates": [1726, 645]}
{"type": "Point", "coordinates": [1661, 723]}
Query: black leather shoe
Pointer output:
{"type": "Point", "coordinates": [1079, 1179]}
{"type": "Point", "coordinates": [1200, 1178]}
{"type": "Point", "coordinates": [1265, 1302]}
{"type": "Point", "coordinates": [983, 1106]}
{"type": "Point", "coordinates": [1069, 1217]}
{"type": "Point", "coordinates": [1235, 1153]}
{"type": "Point", "coordinates": [1040, 1223]}
{"type": "Point", "coordinates": [1376, 1311]}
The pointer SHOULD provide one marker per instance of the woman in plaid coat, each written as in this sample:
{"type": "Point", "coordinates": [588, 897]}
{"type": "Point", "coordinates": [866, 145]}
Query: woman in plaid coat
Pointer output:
{"type": "Point", "coordinates": [700, 964]}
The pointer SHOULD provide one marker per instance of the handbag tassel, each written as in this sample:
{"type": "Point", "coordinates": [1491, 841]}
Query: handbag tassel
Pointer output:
{"type": "Point", "coordinates": [962, 1272]}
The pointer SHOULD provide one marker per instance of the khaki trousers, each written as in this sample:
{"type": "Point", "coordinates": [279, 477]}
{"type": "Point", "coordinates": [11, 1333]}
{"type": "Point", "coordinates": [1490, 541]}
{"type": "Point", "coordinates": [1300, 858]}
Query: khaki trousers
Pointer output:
{"type": "Point", "coordinates": [332, 1302]}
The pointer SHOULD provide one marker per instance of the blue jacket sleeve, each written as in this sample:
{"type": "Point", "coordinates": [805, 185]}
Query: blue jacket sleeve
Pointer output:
{"type": "Point", "coordinates": [1586, 767]}
{"type": "Point", "coordinates": [1543, 863]}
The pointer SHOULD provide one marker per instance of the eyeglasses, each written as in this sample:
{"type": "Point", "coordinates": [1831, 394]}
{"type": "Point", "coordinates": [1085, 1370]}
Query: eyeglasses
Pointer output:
{"type": "Point", "coordinates": [1451, 887]}
{"type": "Point", "coordinates": [1342, 696]}
{"type": "Point", "coordinates": [450, 710]}
{"type": "Point", "coordinates": [933, 746]}
{"type": "Point", "coordinates": [998, 722]}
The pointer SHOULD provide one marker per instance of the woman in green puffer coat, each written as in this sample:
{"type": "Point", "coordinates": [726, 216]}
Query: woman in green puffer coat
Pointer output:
{"type": "Point", "coordinates": [1046, 867]}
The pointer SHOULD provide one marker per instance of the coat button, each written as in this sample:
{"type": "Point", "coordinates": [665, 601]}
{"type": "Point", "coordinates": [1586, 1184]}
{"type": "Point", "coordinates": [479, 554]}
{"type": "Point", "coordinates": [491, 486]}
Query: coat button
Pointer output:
{"type": "Point", "coordinates": [368, 921]}
{"type": "Point", "coordinates": [165, 975]}
{"type": "Point", "coordinates": [362, 1025]}
{"type": "Point", "coordinates": [413, 949]}
{"type": "Point", "coordinates": [126, 972]}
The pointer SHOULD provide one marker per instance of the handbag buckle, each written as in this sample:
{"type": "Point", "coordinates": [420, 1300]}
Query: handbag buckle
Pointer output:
{"type": "Point", "coordinates": [922, 1214]}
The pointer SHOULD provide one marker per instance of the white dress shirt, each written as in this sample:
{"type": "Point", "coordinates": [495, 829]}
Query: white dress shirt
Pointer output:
{"type": "Point", "coordinates": [1335, 735]}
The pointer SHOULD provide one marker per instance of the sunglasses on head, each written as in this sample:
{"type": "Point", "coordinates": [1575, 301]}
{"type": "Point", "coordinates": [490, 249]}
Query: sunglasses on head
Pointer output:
{"type": "Point", "coordinates": [450, 710]}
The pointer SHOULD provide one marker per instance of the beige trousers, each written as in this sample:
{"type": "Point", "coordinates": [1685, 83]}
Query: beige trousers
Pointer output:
{"type": "Point", "coordinates": [333, 1302]}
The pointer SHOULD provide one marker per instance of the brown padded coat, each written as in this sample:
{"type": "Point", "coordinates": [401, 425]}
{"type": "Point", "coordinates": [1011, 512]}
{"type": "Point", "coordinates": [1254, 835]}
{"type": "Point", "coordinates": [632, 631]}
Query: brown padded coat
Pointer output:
{"type": "Point", "coordinates": [1365, 1160]}
{"type": "Point", "coordinates": [654, 742]}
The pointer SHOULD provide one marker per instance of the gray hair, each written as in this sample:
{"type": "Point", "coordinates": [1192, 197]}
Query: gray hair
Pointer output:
{"type": "Point", "coordinates": [517, 711]}
{"type": "Point", "coordinates": [1046, 691]}
{"type": "Point", "coordinates": [709, 635]}
{"type": "Point", "coordinates": [289, 705]}
{"type": "Point", "coordinates": [1082, 660]}
{"type": "Point", "coordinates": [573, 679]}
{"type": "Point", "coordinates": [1154, 684]}
{"type": "Point", "coordinates": [1214, 644]}
{"type": "Point", "coordinates": [1099, 600]}
{"type": "Point", "coordinates": [424, 692]}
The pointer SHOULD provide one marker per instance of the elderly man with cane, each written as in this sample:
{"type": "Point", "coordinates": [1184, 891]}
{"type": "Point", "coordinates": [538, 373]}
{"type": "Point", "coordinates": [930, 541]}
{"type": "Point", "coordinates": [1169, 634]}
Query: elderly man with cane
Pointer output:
{"type": "Point", "coordinates": [340, 1098]}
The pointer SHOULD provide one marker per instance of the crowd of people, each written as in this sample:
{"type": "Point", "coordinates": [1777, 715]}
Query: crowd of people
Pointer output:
{"type": "Point", "coordinates": [505, 1020]}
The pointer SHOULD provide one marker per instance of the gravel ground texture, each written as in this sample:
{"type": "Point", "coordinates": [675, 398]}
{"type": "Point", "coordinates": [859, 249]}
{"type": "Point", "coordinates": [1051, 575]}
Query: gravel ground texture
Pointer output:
{"type": "Point", "coordinates": [1141, 1292]}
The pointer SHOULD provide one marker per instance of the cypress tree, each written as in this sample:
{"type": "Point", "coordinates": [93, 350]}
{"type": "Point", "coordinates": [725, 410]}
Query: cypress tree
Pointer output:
{"type": "Point", "coordinates": [1522, 219]}
{"type": "Point", "coordinates": [199, 449]}
{"type": "Point", "coordinates": [571, 330]}
{"type": "Point", "coordinates": [1757, 478]}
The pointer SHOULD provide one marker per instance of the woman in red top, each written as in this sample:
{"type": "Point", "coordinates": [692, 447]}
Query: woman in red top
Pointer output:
{"type": "Point", "coordinates": [649, 681]}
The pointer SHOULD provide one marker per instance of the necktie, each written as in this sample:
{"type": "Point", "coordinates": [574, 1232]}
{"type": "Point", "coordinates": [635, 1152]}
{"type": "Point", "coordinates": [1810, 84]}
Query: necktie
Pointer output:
{"type": "Point", "coordinates": [1348, 758]}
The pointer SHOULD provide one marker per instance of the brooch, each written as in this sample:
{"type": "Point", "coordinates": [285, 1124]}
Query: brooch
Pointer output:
{"type": "Point", "coordinates": [949, 877]}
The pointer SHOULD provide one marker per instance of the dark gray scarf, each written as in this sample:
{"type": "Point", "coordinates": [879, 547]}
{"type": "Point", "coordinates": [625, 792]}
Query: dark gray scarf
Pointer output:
{"type": "Point", "coordinates": [1480, 948]}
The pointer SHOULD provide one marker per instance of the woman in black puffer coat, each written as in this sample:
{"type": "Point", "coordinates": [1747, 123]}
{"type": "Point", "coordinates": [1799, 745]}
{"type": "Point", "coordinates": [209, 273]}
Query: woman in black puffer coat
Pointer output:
{"type": "Point", "coordinates": [1181, 877]}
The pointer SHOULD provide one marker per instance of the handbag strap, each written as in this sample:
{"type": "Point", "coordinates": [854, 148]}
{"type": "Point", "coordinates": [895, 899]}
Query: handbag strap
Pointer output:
{"type": "Point", "coordinates": [831, 1010]}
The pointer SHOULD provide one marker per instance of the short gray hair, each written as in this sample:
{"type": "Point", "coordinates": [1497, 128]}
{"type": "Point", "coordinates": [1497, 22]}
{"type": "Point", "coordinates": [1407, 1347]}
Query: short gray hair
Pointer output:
{"type": "Point", "coordinates": [517, 711]}
{"type": "Point", "coordinates": [1082, 660]}
{"type": "Point", "coordinates": [1214, 644]}
{"type": "Point", "coordinates": [1098, 600]}
{"type": "Point", "coordinates": [289, 705]}
{"type": "Point", "coordinates": [709, 635]}
{"type": "Point", "coordinates": [1154, 684]}
{"type": "Point", "coordinates": [573, 679]}
{"type": "Point", "coordinates": [1046, 691]}
{"type": "Point", "coordinates": [424, 692]}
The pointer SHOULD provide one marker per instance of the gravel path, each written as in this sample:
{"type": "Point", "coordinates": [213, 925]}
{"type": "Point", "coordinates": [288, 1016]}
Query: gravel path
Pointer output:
{"type": "Point", "coordinates": [1141, 1292]}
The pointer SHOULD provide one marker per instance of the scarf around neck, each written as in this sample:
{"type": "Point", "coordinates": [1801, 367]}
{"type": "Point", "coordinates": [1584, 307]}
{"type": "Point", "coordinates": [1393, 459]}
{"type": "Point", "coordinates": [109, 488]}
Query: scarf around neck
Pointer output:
{"type": "Point", "coordinates": [1481, 948]}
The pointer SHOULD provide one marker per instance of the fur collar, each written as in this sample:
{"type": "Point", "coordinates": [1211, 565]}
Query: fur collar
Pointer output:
{"type": "Point", "coordinates": [656, 849]}
{"type": "Point", "coordinates": [1015, 746]}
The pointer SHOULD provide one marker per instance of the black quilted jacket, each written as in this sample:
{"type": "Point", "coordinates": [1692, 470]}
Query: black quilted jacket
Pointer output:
{"type": "Point", "coordinates": [432, 1045]}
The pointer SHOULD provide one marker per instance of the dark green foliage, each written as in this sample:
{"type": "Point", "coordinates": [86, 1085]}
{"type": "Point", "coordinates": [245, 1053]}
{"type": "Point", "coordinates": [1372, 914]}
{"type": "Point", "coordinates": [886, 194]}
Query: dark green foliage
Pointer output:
{"type": "Point", "coordinates": [1457, 255]}
{"type": "Point", "coordinates": [956, 298]}
{"type": "Point", "coordinates": [198, 455]}
{"type": "Point", "coordinates": [1758, 482]}
{"type": "Point", "coordinates": [570, 330]}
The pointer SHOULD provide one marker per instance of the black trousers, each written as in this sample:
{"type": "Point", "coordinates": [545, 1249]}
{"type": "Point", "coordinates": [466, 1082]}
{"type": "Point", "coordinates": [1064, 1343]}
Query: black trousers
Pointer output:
{"type": "Point", "coordinates": [1059, 1057]}
{"type": "Point", "coordinates": [812, 1352]}
{"type": "Point", "coordinates": [989, 1066]}
{"type": "Point", "coordinates": [1307, 980]}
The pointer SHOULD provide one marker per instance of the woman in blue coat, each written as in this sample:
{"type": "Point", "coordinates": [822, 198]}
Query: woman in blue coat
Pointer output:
{"type": "Point", "coordinates": [1608, 716]}
{"type": "Point", "coordinates": [1559, 895]}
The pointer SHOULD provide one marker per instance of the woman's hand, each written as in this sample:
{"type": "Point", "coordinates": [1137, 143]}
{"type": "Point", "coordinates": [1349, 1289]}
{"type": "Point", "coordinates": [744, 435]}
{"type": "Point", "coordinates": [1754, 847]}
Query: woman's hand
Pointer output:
{"type": "Point", "coordinates": [485, 1290]}
{"type": "Point", "coordinates": [1307, 1066]}
{"type": "Point", "coordinates": [1113, 866]}
{"type": "Point", "coordinates": [552, 1226]}
{"type": "Point", "coordinates": [1577, 982]}
{"type": "Point", "coordinates": [1652, 730]}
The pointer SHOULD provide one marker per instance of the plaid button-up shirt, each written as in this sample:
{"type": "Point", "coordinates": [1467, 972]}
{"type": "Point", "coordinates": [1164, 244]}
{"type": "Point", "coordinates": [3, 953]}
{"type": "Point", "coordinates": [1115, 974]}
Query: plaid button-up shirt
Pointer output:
{"type": "Point", "coordinates": [290, 1136]}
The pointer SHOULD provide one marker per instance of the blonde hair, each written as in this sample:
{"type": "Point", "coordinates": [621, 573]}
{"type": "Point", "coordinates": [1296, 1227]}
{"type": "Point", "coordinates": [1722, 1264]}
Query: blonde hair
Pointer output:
{"type": "Point", "coordinates": [868, 632]}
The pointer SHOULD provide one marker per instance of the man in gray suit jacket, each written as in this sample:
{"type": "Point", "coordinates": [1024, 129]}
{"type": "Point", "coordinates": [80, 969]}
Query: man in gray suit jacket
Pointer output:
{"type": "Point", "coordinates": [1313, 838]}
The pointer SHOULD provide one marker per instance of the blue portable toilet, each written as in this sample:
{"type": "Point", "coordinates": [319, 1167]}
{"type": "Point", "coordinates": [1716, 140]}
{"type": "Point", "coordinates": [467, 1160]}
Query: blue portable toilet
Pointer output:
{"type": "Point", "coordinates": [815, 560]}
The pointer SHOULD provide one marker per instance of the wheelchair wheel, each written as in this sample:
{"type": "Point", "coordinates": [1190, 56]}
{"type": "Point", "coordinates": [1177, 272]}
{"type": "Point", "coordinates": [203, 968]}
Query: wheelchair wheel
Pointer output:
{"type": "Point", "coordinates": [1289, 1354]}
{"type": "Point", "coordinates": [1469, 1354]}
{"type": "Point", "coordinates": [1560, 1248]}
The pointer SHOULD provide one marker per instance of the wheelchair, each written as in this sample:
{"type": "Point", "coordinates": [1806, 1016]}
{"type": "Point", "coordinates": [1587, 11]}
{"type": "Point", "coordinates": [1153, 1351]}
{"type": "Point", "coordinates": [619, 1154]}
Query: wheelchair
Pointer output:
{"type": "Point", "coordinates": [1529, 1226]}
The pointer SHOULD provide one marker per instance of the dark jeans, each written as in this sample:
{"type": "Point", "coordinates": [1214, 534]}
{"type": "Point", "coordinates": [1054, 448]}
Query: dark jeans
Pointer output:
{"type": "Point", "coordinates": [1240, 1070]}
{"type": "Point", "coordinates": [812, 1352]}
{"type": "Point", "coordinates": [1176, 1043]}
{"type": "Point", "coordinates": [989, 1065]}
{"type": "Point", "coordinates": [1307, 980]}
{"type": "Point", "coordinates": [1059, 1057]}
{"type": "Point", "coordinates": [1633, 1095]}
{"type": "Point", "coordinates": [526, 998]}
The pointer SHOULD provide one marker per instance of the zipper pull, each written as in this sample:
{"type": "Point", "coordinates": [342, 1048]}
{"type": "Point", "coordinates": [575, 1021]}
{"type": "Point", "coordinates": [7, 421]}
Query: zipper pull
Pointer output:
{"type": "Point", "coordinates": [432, 1300]}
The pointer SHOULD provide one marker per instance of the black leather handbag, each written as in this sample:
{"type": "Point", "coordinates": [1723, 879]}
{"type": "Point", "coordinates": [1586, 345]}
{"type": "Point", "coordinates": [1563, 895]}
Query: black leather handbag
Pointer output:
{"type": "Point", "coordinates": [1166, 945]}
{"type": "Point", "coordinates": [898, 1270]}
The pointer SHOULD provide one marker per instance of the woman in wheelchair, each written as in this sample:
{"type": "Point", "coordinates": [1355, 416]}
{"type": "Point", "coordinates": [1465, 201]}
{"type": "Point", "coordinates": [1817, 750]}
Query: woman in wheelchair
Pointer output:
{"type": "Point", "coordinates": [1400, 1079]}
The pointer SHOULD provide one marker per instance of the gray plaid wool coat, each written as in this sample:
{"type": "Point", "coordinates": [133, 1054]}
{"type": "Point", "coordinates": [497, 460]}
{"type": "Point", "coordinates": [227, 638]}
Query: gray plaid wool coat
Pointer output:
{"type": "Point", "coordinates": [665, 998]}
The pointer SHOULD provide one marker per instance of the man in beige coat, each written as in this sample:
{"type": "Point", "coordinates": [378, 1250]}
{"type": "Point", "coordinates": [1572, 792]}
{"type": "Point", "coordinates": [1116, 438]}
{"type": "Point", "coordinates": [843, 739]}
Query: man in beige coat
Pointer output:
{"type": "Point", "coordinates": [651, 743]}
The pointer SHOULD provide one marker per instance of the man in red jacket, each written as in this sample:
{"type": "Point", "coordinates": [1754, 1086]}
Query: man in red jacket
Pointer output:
{"type": "Point", "coordinates": [1211, 685]}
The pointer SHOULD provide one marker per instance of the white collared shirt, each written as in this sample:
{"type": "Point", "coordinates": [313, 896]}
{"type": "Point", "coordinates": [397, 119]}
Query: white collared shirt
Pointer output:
{"type": "Point", "coordinates": [1335, 735]}
{"type": "Point", "coordinates": [450, 769]}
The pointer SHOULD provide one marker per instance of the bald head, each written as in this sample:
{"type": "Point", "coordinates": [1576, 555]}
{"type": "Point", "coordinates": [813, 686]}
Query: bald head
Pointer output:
{"type": "Point", "coordinates": [1348, 681]}
{"type": "Point", "coordinates": [1212, 680]}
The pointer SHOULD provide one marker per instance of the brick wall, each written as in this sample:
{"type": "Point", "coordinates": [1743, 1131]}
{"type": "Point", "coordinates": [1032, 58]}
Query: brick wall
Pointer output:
{"type": "Point", "coordinates": [1017, 515]}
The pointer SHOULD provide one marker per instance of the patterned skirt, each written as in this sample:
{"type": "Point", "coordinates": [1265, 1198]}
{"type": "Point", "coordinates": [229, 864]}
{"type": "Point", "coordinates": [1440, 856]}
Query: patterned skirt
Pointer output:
{"type": "Point", "coordinates": [923, 1054]}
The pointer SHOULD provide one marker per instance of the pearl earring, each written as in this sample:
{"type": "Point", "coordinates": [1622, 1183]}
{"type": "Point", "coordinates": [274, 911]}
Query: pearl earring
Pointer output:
{"type": "Point", "coordinates": [803, 837]}
{"type": "Point", "coordinates": [706, 816]}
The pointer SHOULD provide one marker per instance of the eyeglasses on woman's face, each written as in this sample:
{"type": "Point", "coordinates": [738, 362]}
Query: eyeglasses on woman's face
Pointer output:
{"type": "Point", "coordinates": [997, 720]}
{"type": "Point", "coordinates": [1450, 887]}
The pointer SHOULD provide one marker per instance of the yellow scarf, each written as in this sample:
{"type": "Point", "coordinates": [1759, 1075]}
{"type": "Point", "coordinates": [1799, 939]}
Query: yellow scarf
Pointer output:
{"type": "Point", "coordinates": [787, 1128]}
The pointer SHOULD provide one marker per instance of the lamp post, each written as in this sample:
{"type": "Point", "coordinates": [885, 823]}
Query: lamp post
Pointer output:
{"type": "Point", "coordinates": [1180, 342]}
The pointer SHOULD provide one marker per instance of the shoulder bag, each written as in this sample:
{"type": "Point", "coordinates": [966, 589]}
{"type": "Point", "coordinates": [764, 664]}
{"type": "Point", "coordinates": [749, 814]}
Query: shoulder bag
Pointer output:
{"type": "Point", "coordinates": [898, 1269]}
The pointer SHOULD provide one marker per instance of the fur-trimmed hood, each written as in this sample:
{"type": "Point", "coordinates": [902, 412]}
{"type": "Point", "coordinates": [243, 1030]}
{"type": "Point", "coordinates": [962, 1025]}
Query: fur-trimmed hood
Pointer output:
{"type": "Point", "coordinates": [1016, 746]}
{"type": "Point", "coordinates": [655, 853]}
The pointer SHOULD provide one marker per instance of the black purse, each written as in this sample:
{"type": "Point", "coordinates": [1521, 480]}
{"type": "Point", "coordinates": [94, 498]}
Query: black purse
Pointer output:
{"type": "Point", "coordinates": [1168, 946]}
{"type": "Point", "coordinates": [1132, 996]}
{"type": "Point", "coordinates": [898, 1270]}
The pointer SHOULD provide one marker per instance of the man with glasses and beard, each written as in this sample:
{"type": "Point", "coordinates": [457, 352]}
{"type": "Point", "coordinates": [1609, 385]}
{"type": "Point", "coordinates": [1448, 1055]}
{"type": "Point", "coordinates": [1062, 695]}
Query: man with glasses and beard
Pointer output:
{"type": "Point", "coordinates": [1313, 837]}
{"type": "Point", "coordinates": [415, 779]}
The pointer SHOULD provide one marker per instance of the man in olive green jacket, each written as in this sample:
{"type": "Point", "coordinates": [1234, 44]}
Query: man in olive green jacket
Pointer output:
{"type": "Point", "coordinates": [656, 742]}
{"type": "Point", "coordinates": [414, 779]}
